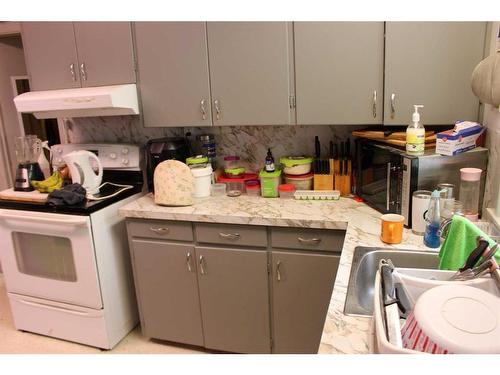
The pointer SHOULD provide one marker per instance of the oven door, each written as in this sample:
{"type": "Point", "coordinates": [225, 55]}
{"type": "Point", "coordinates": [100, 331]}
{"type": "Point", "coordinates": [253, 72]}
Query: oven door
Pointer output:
{"type": "Point", "coordinates": [49, 256]}
{"type": "Point", "coordinates": [379, 177]}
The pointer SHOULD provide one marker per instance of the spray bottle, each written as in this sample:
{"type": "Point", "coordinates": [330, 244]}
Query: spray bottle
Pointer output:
{"type": "Point", "coordinates": [415, 134]}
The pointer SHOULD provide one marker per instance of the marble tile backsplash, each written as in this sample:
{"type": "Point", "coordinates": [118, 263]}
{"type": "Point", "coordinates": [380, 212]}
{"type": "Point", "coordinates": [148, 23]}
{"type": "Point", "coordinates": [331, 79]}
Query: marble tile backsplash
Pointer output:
{"type": "Point", "coordinates": [249, 142]}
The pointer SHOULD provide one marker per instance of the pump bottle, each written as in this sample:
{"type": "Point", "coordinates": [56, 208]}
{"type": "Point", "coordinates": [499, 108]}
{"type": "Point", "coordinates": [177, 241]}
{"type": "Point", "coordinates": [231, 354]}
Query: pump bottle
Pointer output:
{"type": "Point", "coordinates": [415, 134]}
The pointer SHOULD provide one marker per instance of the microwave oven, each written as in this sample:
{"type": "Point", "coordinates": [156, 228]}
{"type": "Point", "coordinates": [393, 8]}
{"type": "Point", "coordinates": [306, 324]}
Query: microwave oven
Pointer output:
{"type": "Point", "coordinates": [386, 177]}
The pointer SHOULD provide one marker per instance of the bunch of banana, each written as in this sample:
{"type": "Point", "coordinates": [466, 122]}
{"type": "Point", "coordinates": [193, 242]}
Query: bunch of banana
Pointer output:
{"type": "Point", "coordinates": [54, 182]}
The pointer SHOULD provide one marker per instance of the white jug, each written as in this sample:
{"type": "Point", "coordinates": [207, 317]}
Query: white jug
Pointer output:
{"type": "Point", "coordinates": [80, 167]}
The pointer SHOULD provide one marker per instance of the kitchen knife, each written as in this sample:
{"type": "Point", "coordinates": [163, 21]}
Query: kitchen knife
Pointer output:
{"type": "Point", "coordinates": [317, 147]}
{"type": "Point", "coordinates": [475, 255]}
{"type": "Point", "coordinates": [331, 149]}
{"type": "Point", "coordinates": [347, 156]}
{"type": "Point", "coordinates": [393, 327]}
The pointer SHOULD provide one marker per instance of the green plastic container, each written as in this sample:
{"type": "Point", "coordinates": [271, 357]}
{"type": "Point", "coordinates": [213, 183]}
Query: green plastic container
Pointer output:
{"type": "Point", "coordinates": [269, 182]}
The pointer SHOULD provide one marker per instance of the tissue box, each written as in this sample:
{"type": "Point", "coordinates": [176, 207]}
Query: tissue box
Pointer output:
{"type": "Point", "coordinates": [464, 136]}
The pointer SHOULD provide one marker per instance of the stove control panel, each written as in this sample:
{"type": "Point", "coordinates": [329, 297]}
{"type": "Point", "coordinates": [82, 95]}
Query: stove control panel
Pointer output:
{"type": "Point", "coordinates": [111, 155]}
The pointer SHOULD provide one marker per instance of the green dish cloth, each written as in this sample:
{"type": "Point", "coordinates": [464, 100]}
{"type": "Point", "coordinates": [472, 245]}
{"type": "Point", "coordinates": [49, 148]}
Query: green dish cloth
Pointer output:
{"type": "Point", "coordinates": [459, 243]}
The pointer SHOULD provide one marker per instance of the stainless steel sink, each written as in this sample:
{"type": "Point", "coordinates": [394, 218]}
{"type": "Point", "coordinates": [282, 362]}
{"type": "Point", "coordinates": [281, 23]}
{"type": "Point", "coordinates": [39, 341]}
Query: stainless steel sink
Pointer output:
{"type": "Point", "coordinates": [365, 261]}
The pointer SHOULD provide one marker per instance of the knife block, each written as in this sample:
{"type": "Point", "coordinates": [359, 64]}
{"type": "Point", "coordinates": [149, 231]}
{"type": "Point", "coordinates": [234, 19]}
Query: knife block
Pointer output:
{"type": "Point", "coordinates": [324, 181]}
{"type": "Point", "coordinates": [343, 182]}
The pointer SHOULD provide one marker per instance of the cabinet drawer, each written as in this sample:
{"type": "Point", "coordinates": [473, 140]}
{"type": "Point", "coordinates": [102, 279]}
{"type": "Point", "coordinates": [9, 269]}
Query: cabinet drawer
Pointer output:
{"type": "Point", "coordinates": [161, 229]}
{"type": "Point", "coordinates": [228, 234]}
{"type": "Point", "coordinates": [308, 239]}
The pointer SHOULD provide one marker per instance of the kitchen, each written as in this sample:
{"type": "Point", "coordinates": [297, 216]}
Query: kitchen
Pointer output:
{"type": "Point", "coordinates": [254, 95]}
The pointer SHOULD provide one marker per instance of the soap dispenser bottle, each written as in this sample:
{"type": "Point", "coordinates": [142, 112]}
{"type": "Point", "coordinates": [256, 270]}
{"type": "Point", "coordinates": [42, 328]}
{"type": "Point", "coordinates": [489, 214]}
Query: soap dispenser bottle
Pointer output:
{"type": "Point", "coordinates": [415, 134]}
{"type": "Point", "coordinates": [269, 163]}
{"type": "Point", "coordinates": [433, 219]}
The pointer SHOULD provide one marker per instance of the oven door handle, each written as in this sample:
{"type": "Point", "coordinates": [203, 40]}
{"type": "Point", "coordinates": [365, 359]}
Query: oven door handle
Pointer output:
{"type": "Point", "coordinates": [75, 221]}
{"type": "Point", "coordinates": [60, 309]}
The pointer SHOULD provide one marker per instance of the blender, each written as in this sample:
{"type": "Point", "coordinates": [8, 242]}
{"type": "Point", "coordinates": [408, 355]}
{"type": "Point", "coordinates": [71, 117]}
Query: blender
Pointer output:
{"type": "Point", "coordinates": [28, 149]}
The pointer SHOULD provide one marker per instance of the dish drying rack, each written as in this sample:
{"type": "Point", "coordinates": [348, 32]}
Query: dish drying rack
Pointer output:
{"type": "Point", "coordinates": [416, 282]}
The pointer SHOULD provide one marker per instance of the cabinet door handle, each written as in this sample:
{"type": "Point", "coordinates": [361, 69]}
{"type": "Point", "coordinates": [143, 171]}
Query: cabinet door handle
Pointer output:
{"type": "Point", "coordinates": [278, 272]}
{"type": "Point", "coordinates": [160, 230]}
{"type": "Point", "coordinates": [374, 105]}
{"type": "Point", "coordinates": [229, 236]}
{"type": "Point", "coordinates": [72, 71]}
{"type": "Point", "coordinates": [203, 109]}
{"type": "Point", "coordinates": [202, 265]}
{"type": "Point", "coordinates": [393, 105]}
{"type": "Point", "coordinates": [313, 241]}
{"type": "Point", "coordinates": [83, 72]}
{"type": "Point", "coordinates": [188, 261]}
{"type": "Point", "coordinates": [217, 109]}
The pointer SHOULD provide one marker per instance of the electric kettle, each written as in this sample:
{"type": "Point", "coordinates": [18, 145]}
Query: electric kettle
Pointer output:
{"type": "Point", "coordinates": [80, 167]}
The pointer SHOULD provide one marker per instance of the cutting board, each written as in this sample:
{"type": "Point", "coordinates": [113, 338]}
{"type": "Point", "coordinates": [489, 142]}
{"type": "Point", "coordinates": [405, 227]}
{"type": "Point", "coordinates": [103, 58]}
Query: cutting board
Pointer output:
{"type": "Point", "coordinates": [430, 137]}
{"type": "Point", "coordinates": [23, 196]}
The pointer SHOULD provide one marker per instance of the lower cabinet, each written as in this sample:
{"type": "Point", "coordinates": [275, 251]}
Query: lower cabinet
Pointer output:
{"type": "Point", "coordinates": [167, 291]}
{"type": "Point", "coordinates": [234, 299]}
{"type": "Point", "coordinates": [302, 285]}
{"type": "Point", "coordinates": [225, 294]}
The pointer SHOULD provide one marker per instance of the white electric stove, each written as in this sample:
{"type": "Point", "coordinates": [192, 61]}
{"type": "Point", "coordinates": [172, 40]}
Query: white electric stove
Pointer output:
{"type": "Point", "coordinates": [67, 269]}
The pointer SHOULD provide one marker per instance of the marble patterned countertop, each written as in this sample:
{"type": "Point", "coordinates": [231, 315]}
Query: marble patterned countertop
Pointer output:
{"type": "Point", "coordinates": [342, 334]}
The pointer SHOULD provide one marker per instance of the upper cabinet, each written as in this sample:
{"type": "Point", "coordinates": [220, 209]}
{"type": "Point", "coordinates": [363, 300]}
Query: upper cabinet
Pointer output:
{"type": "Point", "coordinates": [172, 60]}
{"type": "Point", "coordinates": [250, 72]}
{"type": "Point", "coordinates": [105, 53]}
{"type": "Point", "coordinates": [431, 63]}
{"type": "Point", "coordinates": [339, 72]}
{"type": "Point", "coordinates": [51, 57]}
{"type": "Point", "coordinates": [61, 55]}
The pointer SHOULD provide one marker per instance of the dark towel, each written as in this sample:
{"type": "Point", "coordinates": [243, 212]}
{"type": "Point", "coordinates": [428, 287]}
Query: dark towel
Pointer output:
{"type": "Point", "coordinates": [69, 195]}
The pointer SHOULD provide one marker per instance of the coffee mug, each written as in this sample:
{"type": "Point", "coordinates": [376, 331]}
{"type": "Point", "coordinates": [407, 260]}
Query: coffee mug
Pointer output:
{"type": "Point", "coordinates": [392, 228]}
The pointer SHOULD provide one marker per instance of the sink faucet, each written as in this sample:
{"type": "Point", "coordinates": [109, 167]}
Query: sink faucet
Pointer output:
{"type": "Point", "coordinates": [444, 227]}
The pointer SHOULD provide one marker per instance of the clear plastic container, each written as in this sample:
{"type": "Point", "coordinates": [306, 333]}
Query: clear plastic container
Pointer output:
{"type": "Point", "coordinates": [218, 190]}
{"type": "Point", "coordinates": [470, 181]}
{"type": "Point", "coordinates": [232, 162]}
{"type": "Point", "coordinates": [286, 190]}
{"type": "Point", "coordinates": [253, 188]}
{"type": "Point", "coordinates": [235, 189]}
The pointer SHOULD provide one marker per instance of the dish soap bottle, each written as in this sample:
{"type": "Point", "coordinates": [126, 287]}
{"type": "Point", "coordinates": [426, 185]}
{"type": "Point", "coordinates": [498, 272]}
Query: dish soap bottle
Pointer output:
{"type": "Point", "coordinates": [269, 163]}
{"type": "Point", "coordinates": [415, 134]}
{"type": "Point", "coordinates": [433, 218]}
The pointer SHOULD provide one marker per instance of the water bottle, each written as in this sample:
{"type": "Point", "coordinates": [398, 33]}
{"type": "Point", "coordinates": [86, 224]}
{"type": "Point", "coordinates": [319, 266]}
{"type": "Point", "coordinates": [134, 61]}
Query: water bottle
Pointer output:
{"type": "Point", "coordinates": [433, 219]}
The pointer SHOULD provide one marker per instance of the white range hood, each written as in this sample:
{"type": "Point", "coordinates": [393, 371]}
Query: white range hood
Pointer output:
{"type": "Point", "coordinates": [84, 102]}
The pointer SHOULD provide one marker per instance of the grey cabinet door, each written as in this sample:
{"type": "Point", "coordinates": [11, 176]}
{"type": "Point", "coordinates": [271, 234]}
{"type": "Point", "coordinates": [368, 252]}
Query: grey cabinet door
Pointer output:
{"type": "Point", "coordinates": [167, 291]}
{"type": "Point", "coordinates": [302, 286]}
{"type": "Point", "coordinates": [106, 50]}
{"type": "Point", "coordinates": [51, 56]}
{"type": "Point", "coordinates": [339, 70]}
{"type": "Point", "coordinates": [431, 63]}
{"type": "Point", "coordinates": [234, 299]}
{"type": "Point", "coordinates": [250, 72]}
{"type": "Point", "coordinates": [172, 61]}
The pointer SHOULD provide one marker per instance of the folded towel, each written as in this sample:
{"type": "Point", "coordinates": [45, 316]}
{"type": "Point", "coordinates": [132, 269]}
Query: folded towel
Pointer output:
{"type": "Point", "coordinates": [459, 243]}
{"type": "Point", "coordinates": [69, 195]}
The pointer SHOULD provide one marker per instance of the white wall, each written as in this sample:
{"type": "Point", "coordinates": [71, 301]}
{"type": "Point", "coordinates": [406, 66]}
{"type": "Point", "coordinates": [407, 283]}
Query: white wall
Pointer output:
{"type": "Point", "coordinates": [11, 64]}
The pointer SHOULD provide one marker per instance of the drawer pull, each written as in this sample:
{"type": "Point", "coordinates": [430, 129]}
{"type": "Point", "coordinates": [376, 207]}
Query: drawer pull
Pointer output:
{"type": "Point", "coordinates": [278, 273]}
{"type": "Point", "coordinates": [202, 265]}
{"type": "Point", "coordinates": [188, 261]}
{"type": "Point", "coordinates": [309, 241]}
{"type": "Point", "coordinates": [230, 236]}
{"type": "Point", "coordinates": [160, 230]}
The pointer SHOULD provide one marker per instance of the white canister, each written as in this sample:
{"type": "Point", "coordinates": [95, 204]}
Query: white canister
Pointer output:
{"type": "Point", "coordinates": [202, 181]}
{"type": "Point", "coordinates": [420, 204]}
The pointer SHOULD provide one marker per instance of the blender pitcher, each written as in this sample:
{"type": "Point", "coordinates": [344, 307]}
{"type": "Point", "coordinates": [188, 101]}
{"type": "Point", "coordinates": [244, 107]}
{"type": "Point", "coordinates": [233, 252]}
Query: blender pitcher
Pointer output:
{"type": "Point", "coordinates": [28, 149]}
